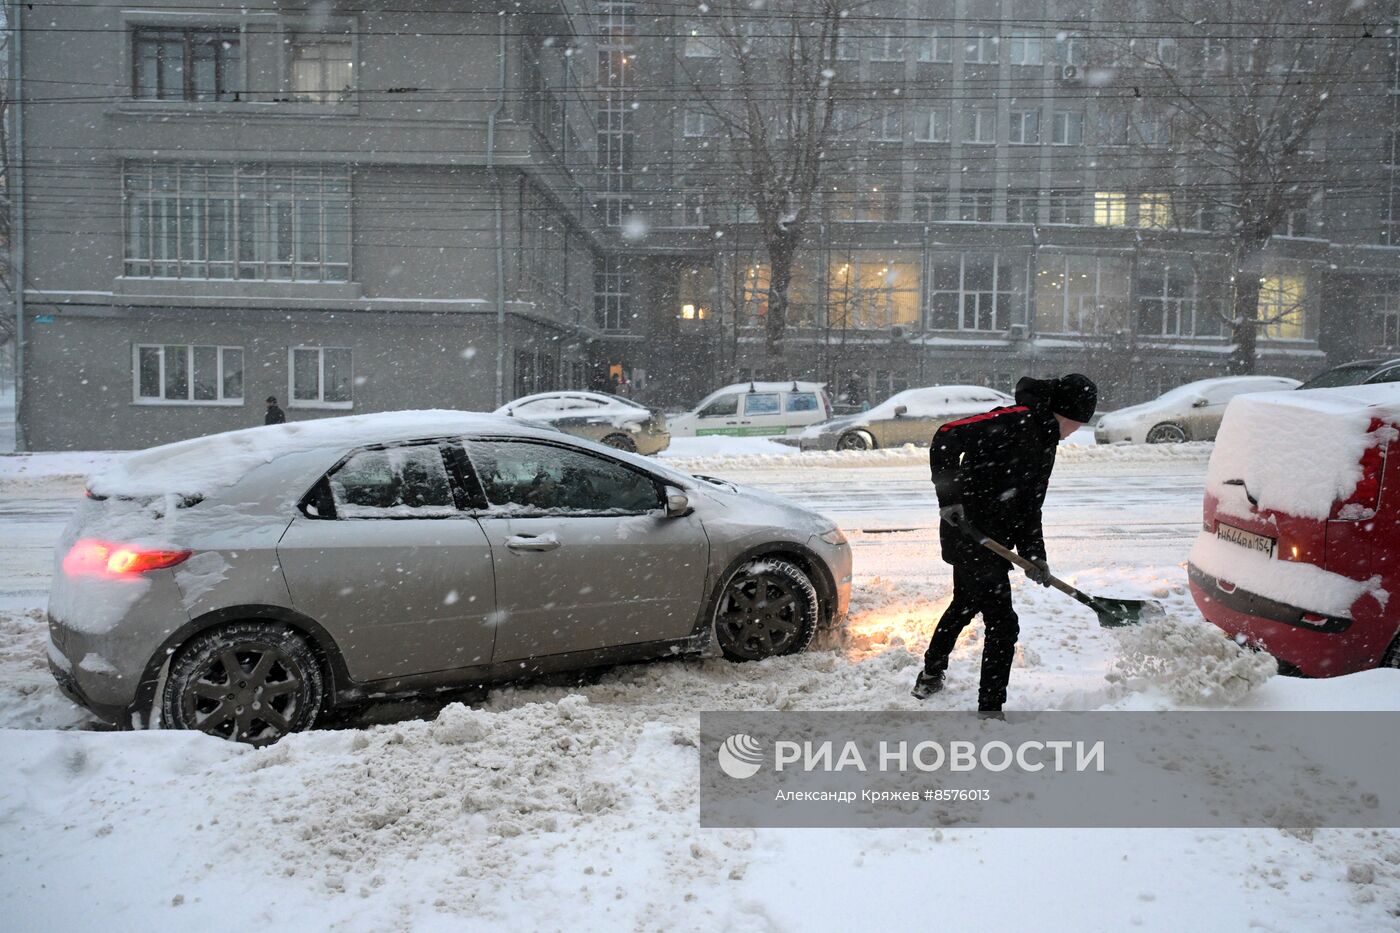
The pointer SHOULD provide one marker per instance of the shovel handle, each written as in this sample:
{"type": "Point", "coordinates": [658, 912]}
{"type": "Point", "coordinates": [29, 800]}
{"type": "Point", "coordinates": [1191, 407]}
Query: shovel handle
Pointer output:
{"type": "Point", "coordinates": [1001, 550]}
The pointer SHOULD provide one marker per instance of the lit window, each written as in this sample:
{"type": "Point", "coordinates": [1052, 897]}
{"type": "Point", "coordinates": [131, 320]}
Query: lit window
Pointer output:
{"type": "Point", "coordinates": [1155, 210]}
{"type": "Point", "coordinates": [322, 69]}
{"type": "Point", "coordinates": [1281, 309]}
{"type": "Point", "coordinates": [1110, 208]}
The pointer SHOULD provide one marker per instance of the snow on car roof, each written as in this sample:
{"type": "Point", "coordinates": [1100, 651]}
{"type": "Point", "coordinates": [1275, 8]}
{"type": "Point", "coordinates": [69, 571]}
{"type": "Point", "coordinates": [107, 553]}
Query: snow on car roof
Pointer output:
{"type": "Point", "coordinates": [931, 401]}
{"type": "Point", "coordinates": [200, 465]}
{"type": "Point", "coordinates": [1297, 452]}
{"type": "Point", "coordinates": [787, 385]}
{"type": "Point", "coordinates": [614, 401]}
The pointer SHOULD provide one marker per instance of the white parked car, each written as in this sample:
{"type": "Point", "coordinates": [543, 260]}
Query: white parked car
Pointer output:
{"type": "Point", "coordinates": [1188, 413]}
{"type": "Point", "coordinates": [908, 417]}
{"type": "Point", "coordinates": [754, 409]}
{"type": "Point", "coordinates": [607, 419]}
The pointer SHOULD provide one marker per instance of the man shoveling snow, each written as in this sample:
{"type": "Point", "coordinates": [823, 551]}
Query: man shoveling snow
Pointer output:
{"type": "Point", "coordinates": [991, 471]}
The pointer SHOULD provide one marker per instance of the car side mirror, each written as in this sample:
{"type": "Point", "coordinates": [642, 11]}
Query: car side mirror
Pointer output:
{"type": "Point", "coordinates": [677, 503]}
{"type": "Point", "coordinates": [901, 410]}
{"type": "Point", "coordinates": [1200, 403]}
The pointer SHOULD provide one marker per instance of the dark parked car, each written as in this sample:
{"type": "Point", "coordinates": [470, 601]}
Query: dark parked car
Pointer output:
{"type": "Point", "coordinates": [1359, 373]}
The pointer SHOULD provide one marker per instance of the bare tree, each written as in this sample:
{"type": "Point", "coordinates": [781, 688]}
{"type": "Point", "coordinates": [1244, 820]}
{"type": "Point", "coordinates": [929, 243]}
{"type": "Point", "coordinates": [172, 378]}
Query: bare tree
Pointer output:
{"type": "Point", "coordinates": [767, 75]}
{"type": "Point", "coordinates": [1240, 102]}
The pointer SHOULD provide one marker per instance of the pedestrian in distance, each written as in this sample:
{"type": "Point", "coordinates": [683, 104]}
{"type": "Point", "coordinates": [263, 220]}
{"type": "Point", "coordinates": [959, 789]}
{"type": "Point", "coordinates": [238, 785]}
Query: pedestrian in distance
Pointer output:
{"type": "Point", "coordinates": [274, 414]}
{"type": "Point", "coordinates": [991, 471]}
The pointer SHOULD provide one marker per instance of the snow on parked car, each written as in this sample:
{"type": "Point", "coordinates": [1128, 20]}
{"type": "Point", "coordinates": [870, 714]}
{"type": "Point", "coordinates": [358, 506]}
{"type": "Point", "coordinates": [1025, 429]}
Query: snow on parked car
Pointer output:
{"type": "Point", "coordinates": [242, 583]}
{"type": "Point", "coordinates": [755, 409]}
{"type": "Point", "coordinates": [908, 417]}
{"type": "Point", "coordinates": [1302, 527]}
{"type": "Point", "coordinates": [1187, 413]}
{"type": "Point", "coordinates": [607, 419]}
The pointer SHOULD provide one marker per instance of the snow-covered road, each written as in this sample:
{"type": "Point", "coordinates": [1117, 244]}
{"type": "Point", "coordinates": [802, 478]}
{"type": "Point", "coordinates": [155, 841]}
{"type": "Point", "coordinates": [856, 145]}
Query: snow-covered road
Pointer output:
{"type": "Point", "coordinates": [549, 806]}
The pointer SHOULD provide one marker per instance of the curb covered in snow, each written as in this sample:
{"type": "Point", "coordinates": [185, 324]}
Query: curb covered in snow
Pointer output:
{"type": "Point", "coordinates": [909, 455]}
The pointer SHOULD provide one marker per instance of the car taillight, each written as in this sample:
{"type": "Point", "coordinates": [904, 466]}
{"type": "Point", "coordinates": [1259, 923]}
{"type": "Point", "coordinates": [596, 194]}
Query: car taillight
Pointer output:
{"type": "Point", "coordinates": [93, 558]}
{"type": "Point", "coordinates": [1362, 502]}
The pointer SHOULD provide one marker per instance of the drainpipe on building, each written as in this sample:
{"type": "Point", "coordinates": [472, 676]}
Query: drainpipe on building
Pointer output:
{"type": "Point", "coordinates": [17, 226]}
{"type": "Point", "coordinates": [499, 195]}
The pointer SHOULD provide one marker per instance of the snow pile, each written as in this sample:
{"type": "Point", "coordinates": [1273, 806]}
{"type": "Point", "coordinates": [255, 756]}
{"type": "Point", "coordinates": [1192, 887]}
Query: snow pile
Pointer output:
{"type": "Point", "coordinates": [1297, 452]}
{"type": "Point", "coordinates": [910, 455]}
{"type": "Point", "coordinates": [1306, 586]}
{"type": "Point", "coordinates": [1191, 661]}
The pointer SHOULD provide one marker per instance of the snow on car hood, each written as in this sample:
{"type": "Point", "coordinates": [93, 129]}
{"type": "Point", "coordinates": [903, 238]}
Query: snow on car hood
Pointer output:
{"type": "Point", "coordinates": [202, 465]}
{"type": "Point", "coordinates": [1297, 452]}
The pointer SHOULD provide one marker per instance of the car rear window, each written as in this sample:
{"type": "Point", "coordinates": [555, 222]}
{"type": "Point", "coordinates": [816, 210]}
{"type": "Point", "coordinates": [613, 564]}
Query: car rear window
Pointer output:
{"type": "Point", "coordinates": [802, 401]}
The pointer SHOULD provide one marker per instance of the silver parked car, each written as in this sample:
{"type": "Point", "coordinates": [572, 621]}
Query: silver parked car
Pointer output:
{"type": "Point", "coordinates": [909, 417]}
{"type": "Point", "coordinates": [608, 419]}
{"type": "Point", "coordinates": [242, 583]}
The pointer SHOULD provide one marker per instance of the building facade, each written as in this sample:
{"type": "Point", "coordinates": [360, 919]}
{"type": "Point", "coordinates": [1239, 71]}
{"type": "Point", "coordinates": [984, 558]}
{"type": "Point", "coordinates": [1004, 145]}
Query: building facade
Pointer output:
{"type": "Point", "coordinates": [359, 208]}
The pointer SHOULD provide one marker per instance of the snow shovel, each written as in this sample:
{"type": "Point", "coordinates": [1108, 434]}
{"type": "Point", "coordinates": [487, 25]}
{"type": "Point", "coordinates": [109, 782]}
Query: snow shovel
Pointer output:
{"type": "Point", "coordinates": [1112, 613]}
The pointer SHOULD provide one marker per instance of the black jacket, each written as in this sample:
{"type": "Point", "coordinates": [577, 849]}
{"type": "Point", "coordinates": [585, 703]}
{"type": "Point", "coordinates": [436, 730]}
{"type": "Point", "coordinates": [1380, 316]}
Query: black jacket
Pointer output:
{"type": "Point", "coordinates": [997, 466]}
{"type": "Point", "coordinates": [275, 415]}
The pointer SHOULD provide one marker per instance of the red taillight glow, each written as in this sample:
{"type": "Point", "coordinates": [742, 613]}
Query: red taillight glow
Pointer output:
{"type": "Point", "coordinates": [90, 557]}
{"type": "Point", "coordinates": [1366, 496]}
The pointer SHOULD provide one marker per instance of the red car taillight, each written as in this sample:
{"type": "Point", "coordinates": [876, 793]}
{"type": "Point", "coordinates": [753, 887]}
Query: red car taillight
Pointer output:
{"type": "Point", "coordinates": [93, 558]}
{"type": "Point", "coordinates": [1366, 496]}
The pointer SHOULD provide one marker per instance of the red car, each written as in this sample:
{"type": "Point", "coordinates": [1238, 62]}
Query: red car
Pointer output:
{"type": "Point", "coordinates": [1300, 550]}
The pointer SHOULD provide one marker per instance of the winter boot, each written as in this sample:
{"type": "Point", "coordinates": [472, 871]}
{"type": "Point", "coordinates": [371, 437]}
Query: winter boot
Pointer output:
{"type": "Point", "coordinates": [927, 685]}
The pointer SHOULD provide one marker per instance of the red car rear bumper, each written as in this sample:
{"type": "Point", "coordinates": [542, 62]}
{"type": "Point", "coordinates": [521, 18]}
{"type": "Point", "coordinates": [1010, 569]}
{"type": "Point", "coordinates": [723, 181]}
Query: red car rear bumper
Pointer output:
{"type": "Point", "coordinates": [1311, 645]}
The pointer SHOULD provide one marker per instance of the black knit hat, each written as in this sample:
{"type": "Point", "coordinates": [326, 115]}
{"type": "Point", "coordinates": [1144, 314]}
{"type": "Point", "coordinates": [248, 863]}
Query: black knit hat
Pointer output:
{"type": "Point", "coordinates": [1074, 397]}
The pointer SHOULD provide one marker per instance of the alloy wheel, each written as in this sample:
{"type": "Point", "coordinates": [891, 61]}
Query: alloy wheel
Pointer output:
{"type": "Point", "coordinates": [762, 613]}
{"type": "Point", "coordinates": [248, 692]}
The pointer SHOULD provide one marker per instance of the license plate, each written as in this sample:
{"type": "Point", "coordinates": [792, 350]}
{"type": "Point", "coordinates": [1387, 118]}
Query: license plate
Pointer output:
{"type": "Point", "coordinates": [1246, 539]}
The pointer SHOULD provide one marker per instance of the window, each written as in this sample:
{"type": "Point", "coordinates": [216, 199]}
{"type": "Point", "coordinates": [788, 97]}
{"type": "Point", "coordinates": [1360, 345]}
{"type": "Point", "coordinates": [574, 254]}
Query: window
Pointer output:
{"type": "Point", "coordinates": [1025, 50]}
{"type": "Point", "coordinates": [1169, 304]}
{"type": "Point", "coordinates": [1155, 210]}
{"type": "Point", "coordinates": [761, 403]}
{"type": "Point", "coordinates": [975, 291]}
{"type": "Point", "coordinates": [700, 42]}
{"type": "Point", "coordinates": [1025, 128]}
{"type": "Point", "coordinates": [396, 482]}
{"type": "Point", "coordinates": [1023, 206]}
{"type": "Point", "coordinates": [722, 407]}
{"type": "Point", "coordinates": [1076, 294]}
{"type": "Point", "coordinates": [981, 46]}
{"type": "Point", "coordinates": [847, 47]}
{"type": "Point", "coordinates": [1069, 49]}
{"type": "Point", "coordinates": [885, 124]}
{"type": "Point", "coordinates": [1165, 52]}
{"type": "Point", "coordinates": [1295, 220]}
{"type": "Point", "coordinates": [1384, 306]}
{"type": "Point", "coordinates": [1281, 308]}
{"type": "Point", "coordinates": [197, 64]}
{"type": "Point", "coordinates": [519, 477]}
{"type": "Point", "coordinates": [871, 289]}
{"type": "Point", "coordinates": [932, 124]}
{"type": "Point", "coordinates": [802, 401]}
{"type": "Point", "coordinates": [930, 205]}
{"type": "Point", "coordinates": [320, 377]}
{"type": "Point", "coordinates": [887, 45]}
{"type": "Point", "coordinates": [975, 205]}
{"type": "Point", "coordinates": [1115, 129]}
{"type": "Point", "coordinates": [937, 46]}
{"type": "Point", "coordinates": [174, 373]}
{"type": "Point", "coordinates": [1110, 208]}
{"type": "Point", "coordinates": [1213, 56]}
{"type": "Point", "coordinates": [322, 68]}
{"type": "Point", "coordinates": [1068, 128]}
{"type": "Point", "coordinates": [696, 123]}
{"type": "Point", "coordinates": [612, 295]}
{"type": "Point", "coordinates": [1066, 206]}
{"type": "Point", "coordinates": [980, 125]}
{"type": "Point", "coordinates": [256, 222]}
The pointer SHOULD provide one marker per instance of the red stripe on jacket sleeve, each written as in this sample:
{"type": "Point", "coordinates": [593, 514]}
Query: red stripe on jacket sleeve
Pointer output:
{"type": "Point", "coordinates": [985, 416]}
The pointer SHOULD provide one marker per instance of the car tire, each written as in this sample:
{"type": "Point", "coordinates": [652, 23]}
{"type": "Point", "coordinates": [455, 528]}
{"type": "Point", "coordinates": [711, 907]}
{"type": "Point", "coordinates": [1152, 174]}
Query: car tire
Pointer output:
{"type": "Point", "coordinates": [621, 442]}
{"type": "Point", "coordinates": [768, 607]}
{"type": "Point", "coordinates": [1167, 433]}
{"type": "Point", "coordinates": [279, 686]}
{"type": "Point", "coordinates": [1391, 658]}
{"type": "Point", "coordinates": [856, 440]}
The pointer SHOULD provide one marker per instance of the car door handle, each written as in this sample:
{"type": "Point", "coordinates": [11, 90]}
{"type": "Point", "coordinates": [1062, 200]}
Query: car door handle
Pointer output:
{"type": "Point", "coordinates": [532, 542]}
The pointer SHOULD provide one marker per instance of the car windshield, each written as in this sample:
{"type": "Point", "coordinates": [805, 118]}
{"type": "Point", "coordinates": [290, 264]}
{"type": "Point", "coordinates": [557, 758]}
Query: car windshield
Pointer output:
{"type": "Point", "coordinates": [1341, 376]}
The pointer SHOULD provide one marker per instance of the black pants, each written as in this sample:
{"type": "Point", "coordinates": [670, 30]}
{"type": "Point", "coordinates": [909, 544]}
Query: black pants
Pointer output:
{"type": "Point", "coordinates": [985, 587]}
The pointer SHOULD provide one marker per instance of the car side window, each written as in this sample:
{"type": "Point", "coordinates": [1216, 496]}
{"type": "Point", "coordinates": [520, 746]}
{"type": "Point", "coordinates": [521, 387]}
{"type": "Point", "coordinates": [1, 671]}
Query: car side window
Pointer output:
{"type": "Point", "coordinates": [529, 478]}
{"type": "Point", "coordinates": [761, 403]}
{"type": "Point", "coordinates": [802, 401]}
{"type": "Point", "coordinates": [720, 407]}
{"type": "Point", "coordinates": [394, 482]}
{"type": "Point", "coordinates": [1385, 375]}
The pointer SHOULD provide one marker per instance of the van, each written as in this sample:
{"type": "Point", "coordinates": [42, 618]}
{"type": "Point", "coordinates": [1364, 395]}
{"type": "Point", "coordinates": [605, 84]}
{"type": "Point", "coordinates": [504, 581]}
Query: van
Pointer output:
{"type": "Point", "coordinates": [755, 409]}
{"type": "Point", "coordinates": [1299, 551]}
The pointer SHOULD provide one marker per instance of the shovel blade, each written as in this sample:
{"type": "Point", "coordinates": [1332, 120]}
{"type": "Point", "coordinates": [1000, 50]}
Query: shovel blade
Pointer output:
{"type": "Point", "coordinates": [1116, 613]}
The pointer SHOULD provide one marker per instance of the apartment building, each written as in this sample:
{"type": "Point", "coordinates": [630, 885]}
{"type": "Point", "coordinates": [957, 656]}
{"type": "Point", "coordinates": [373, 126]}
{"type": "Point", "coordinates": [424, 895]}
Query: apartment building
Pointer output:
{"type": "Point", "coordinates": [352, 208]}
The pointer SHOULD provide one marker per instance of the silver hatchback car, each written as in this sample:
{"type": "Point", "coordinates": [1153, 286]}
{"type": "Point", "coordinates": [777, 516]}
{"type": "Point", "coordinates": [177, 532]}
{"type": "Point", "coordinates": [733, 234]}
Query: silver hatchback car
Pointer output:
{"type": "Point", "coordinates": [243, 583]}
